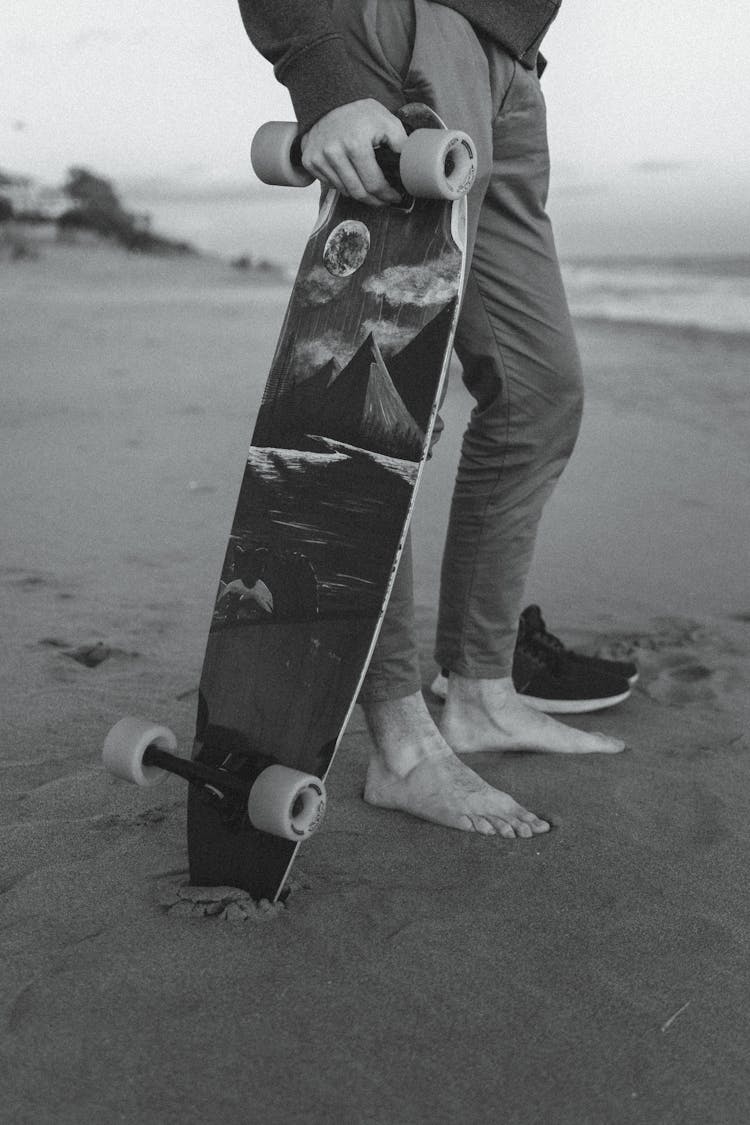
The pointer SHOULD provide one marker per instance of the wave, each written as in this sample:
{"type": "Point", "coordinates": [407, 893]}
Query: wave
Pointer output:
{"type": "Point", "coordinates": [711, 294]}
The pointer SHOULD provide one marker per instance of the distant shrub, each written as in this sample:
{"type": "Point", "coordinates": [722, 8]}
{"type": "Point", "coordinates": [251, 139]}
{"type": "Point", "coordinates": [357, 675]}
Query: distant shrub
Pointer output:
{"type": "Point", "coordinates": [97, 208]}
{"type": "Point", "coordinates": [6, 209]}
{"type": "Point", "coordinates": [92, 192]}
{"type": "Point", "coordinates": [260, 265]}
{"type": "Point", "coordinates": [268, 267]}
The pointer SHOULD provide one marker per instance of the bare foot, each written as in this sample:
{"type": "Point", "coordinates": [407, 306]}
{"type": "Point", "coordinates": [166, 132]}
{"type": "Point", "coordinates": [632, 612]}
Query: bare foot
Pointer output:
{"type": "Point", "coordinates": [414, 770]}
{"type": "Point", "coordinates": [489, 715]}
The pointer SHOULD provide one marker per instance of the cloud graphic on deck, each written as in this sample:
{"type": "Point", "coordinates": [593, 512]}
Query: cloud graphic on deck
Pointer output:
{"type": "Point", "coordinates": [312, 354]}
{"type": "Point", "coordinates": [389, 337]}
{"type": "Point", "coordinates": [319, 286]}
{"type": "Point", "coordinates": [433, 283]}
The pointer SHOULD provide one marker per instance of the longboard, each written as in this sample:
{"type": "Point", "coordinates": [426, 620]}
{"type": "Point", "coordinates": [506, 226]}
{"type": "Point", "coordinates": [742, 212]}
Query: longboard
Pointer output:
{"type": "Point", "coordinates": [339, 445]}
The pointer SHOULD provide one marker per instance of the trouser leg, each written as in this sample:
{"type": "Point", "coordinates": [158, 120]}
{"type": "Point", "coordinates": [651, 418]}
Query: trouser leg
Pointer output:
{"type": "Point", "coordinates": [516, 344]}
{"type": "Point", "coordinates": [515, 339]}
{"type": "Point", "coordinates": [416, 51]}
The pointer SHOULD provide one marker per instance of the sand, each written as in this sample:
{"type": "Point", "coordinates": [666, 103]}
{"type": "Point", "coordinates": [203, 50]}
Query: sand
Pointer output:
{"type": "Point", "coordinates": [597, 975]}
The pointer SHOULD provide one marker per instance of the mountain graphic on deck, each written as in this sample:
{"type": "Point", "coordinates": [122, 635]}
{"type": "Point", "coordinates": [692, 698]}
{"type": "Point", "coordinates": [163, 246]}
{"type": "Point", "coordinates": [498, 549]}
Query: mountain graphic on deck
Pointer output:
{"type": "Point", "coordinates": [411, 368]}
{"type": "Point", "coordinates": [384, 408]}
{"type": "Point", "coordinates": [363, 408]}
{"type": "Point", "coordinates": [306, 396]}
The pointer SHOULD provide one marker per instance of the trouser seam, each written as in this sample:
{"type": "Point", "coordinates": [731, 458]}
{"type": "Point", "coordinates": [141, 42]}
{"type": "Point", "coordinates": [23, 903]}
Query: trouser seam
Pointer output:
{"type": "Point", "coordinates": [506, 94]}
{"type": "Point", "coordinates": [505, 391]}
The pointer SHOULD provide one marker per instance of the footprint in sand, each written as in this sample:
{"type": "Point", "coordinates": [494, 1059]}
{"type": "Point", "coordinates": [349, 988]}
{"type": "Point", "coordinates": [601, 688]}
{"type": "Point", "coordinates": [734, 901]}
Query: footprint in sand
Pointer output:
{"type": "Point", "coordinates": [90, 654]}
{"type": "Point", "coordinates": [145, 819]}
{"type": "Point", "coordinates": [30, 581]}
{"type": "Point", "coordinates": [681, 662]}
{"type": "Point", "coordinates": [33, 582]}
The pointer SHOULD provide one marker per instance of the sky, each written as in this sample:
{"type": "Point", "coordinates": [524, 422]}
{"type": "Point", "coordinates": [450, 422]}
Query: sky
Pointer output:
{"type": "Point", "coordinates": [648, 107]}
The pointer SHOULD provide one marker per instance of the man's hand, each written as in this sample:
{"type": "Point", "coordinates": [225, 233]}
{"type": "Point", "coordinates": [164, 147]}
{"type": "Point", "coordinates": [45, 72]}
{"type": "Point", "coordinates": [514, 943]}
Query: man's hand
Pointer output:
{"type": "Point", "coordinates": [339, 150]}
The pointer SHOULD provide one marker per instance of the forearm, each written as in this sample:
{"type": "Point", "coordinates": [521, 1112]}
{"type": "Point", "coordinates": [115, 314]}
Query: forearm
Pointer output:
{"type": "Point", "coordinates": [308, 54]}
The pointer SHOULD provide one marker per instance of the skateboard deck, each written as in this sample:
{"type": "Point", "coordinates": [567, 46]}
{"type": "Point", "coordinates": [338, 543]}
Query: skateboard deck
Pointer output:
{"type": "Point", "coordinates": [340, 441]}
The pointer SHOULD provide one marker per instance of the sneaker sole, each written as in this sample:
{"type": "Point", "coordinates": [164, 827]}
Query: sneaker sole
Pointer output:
{"type": "Point", "coordinates": [632, 680]}
{"type": "Point", "coordinates": [573, 706]}
{"type": "Point", "coordinates": [439, 689]}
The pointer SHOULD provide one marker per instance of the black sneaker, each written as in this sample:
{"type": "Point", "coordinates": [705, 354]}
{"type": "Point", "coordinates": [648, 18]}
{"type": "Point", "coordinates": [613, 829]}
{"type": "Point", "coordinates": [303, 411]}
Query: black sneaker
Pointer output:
{"type": "Point", "coordinates": [551, 678]}
{"type": "Point", "coordinates": [534, 639]}
{"type": "Point", "coordinates": [549, 687]}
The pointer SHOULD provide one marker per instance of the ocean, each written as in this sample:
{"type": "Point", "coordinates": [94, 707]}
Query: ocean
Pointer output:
{"type": "Point", "coordinates": [704, 293]}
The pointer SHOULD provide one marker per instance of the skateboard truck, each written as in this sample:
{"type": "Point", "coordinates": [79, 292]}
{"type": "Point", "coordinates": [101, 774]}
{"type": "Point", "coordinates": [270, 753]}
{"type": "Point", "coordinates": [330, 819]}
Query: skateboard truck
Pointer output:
{"type": "Point", "coordinates": [274, 798]}
{"type": "Point", "coordinates": [433, 164]}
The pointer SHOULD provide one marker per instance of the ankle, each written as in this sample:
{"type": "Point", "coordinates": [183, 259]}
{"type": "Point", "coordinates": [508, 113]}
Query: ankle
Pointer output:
{"type": "Point", "coordinates": [402, 732]}
{"type": "Point", "coordinates": [465, 691]}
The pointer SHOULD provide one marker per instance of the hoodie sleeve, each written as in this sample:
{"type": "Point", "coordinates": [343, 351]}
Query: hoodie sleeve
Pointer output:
{"type": "Point", "coordinates": [307, 53]}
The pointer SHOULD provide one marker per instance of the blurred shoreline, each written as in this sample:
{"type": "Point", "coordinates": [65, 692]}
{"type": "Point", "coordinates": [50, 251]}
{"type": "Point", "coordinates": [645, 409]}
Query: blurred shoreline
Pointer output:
{"type": "Point", "coordinates": [699, 293]}
{"type": "Point", "coordinates": [657, 283]}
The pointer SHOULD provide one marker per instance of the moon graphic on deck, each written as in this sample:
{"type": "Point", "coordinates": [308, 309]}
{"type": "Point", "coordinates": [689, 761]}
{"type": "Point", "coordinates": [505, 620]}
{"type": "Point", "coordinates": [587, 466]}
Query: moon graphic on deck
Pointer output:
{"type": "Point", "coordinates": [346, 248]}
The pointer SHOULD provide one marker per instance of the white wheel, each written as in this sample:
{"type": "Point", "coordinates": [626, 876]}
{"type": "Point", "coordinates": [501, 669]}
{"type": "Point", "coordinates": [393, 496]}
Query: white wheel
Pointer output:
{"type": "Point", "coordinates": [271, 155]}
{"type": "Point", "coordinates": [126, 744]}
{"type": "Point", "coordinates": [286, 802]}
{"type": "Point", "coordinates": [438, 163]}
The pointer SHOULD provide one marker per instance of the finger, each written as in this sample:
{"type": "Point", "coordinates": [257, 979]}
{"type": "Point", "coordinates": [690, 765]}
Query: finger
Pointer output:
{"type": "Point", "coordinates": [364, 162]}
{"type": "Point", "coordinates": [392, 133]}
{"type": "Point", "coordinates": [339, 171]}
{"type": "Point", "coordinates": [319, 167]}
{"type": "Point", "coordinates": [375, 192]}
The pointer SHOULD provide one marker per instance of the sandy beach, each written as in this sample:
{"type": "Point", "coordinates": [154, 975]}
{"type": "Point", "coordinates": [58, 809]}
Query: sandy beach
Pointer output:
{"type": "Point", "coordinates": [595, 976]}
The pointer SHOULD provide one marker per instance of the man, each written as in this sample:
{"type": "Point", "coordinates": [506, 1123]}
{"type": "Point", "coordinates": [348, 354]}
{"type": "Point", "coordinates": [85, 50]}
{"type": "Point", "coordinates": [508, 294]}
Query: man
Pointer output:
{"type": "Point", "coordinates": [348, 64]}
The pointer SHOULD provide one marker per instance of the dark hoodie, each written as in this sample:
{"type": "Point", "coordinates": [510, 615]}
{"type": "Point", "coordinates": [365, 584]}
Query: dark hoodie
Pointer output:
{"type": "Point", "coordinates": [309, 55]}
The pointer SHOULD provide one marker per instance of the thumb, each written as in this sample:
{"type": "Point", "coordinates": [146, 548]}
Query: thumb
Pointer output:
{"type": "Point", "coordinates": [388, 130]}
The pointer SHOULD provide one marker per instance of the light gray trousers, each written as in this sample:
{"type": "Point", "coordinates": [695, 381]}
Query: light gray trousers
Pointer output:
{"type": "Point", "coordinates": [514, 339]}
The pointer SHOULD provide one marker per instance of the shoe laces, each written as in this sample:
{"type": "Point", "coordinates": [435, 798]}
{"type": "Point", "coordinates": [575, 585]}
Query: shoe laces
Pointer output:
{"type": "Point", "coordinates": [536, 641]}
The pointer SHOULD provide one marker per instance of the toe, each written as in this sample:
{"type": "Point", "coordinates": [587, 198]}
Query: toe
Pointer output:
{"type": "Point", "coordinates": [505, 829]}
{"type": "Point", "coordinates": [522, 829]}
{"type": "Point", "coordinates": [472, 823]}
{"type": "Point", "coordinates": [483, 825]}
{"type": "Point", "coordinates": [535, 823]}
{"type": "Point", "coordinates": [609, 745]}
